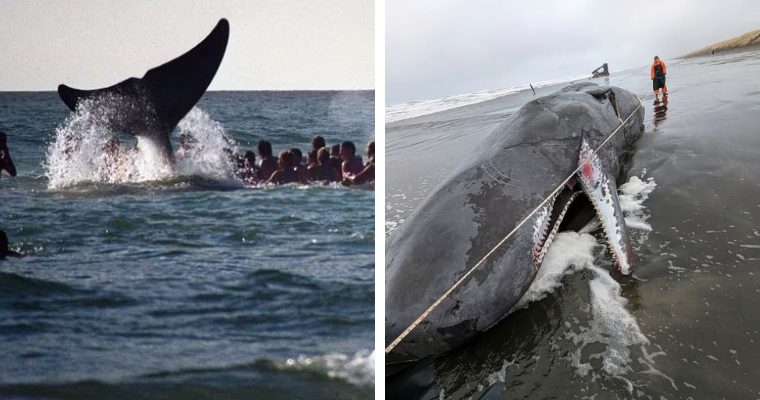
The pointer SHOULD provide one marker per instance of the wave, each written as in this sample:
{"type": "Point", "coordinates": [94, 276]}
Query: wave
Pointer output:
{"type": "Point", "coordinates": [328, 376]}
{"type": "Point", "coordinates": [415, 109]}
{"type": "Point", "coordinates": [23, 293]}
{"type": "Point", "coordinates": [357, 369]}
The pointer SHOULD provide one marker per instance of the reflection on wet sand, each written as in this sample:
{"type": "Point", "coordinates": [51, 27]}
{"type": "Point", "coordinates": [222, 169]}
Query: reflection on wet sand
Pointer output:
{"type": "Point", "coordinates": [660, 111]}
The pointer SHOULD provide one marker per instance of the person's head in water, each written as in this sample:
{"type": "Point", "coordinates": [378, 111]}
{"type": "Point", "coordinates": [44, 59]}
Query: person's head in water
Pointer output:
{"type": "Point", "coordinates": [112, 146]}
{"type": "Point", "coordinates": [335, 151]}
{"type": "Point", "coordinates": [297, 155]}
{"type": "Point", "coordinates": [286, 160]}
{"type": "Point", "coordinates": [318, 142]}
{"type": "Point", "coordinates": [347, 151]}
{"type": "Point", "coordinates": [186, 141]}
{"type": "Point", "coordinates": [3, 138]}
{"type": "Point", "coordinates": [249, 159]}
{"type": "Point", "coordinates": [265, 149]}
{"type": "Point", "coordinates": [323, 156]}
{"type": "Point", "coordinates": [371, 149]}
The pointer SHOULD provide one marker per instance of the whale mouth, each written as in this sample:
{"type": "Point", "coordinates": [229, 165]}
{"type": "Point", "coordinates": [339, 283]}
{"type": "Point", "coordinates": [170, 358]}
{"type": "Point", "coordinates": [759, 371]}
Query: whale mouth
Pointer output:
{"type": "Point", "coordinates": [570, 209]}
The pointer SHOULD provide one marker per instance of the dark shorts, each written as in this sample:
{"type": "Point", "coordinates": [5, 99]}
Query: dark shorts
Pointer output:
{"type": "Point", "coordinates": [658, 82]}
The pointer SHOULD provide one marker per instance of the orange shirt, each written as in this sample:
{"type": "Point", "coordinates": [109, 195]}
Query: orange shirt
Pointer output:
{"type": "Point", "coordinates": [654, 64]}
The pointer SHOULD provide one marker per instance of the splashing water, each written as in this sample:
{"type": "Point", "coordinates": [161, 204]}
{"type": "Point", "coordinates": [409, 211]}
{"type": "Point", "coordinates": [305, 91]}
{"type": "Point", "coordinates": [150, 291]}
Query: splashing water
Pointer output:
{"type": "Point", "coordinates": [358, 369]}
{"type": "Point", "coordinates": [86, 147]}
{"type": "Point", "coordinates": [208, 155]}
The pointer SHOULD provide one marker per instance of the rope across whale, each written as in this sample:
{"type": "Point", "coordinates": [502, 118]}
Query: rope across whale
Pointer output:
{"type": "Point", "coordinates": [464, 277]}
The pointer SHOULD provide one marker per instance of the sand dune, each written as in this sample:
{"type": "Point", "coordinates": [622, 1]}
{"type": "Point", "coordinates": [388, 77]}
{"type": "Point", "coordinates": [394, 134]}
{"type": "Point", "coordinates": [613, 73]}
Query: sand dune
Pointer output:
{"type": "Point", "coordinates": [745, 41]}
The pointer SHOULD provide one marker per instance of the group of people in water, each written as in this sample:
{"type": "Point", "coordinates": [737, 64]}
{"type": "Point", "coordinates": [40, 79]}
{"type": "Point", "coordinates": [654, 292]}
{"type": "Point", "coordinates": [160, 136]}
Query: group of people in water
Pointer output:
{"type": "Point", "coordinates": [339, 163]}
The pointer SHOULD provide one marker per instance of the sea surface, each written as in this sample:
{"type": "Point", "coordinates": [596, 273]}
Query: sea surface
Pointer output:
{"type": "Point", "coordinates": [158, 281]}
{"type": "Point", "coordinates": [685, 324]}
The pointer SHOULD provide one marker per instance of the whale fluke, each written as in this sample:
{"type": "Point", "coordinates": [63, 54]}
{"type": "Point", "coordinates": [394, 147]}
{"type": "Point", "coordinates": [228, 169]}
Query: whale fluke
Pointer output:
{"type": "Point", "coordinates": [168, 92]}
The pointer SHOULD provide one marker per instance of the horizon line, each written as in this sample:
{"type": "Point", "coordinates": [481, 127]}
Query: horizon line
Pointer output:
{"type": "Point", "coordinates": [220, 90]}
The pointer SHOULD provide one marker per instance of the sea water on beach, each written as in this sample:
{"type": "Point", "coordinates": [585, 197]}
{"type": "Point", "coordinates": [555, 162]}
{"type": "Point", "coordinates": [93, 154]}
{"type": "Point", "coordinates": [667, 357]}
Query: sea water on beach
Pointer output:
{"type": "Point", "coordinates": [183, 282]}
{"type": "Point", "coordinates": [684, 325]}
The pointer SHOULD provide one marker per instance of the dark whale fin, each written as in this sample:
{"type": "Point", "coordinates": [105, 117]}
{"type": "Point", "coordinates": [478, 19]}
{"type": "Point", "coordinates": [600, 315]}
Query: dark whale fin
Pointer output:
{"type": "Point", "coordinates": [171, 89]}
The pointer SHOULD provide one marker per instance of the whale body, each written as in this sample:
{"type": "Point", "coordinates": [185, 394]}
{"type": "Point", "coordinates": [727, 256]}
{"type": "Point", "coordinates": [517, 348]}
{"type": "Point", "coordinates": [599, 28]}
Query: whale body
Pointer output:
{"type": "Point", "coordinates": [517, 181]}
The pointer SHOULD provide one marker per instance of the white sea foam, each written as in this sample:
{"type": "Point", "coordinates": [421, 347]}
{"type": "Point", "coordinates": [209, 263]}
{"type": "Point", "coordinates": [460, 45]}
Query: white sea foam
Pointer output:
{"type": "Point", "coordinates": [611, 325]}
{"type": "Point", "coordinates": [414, 109]}
{"type": "Point", "coordinates": [357, 369]}
{"type": "Point", "coordinates": [78, 153]}
{"type": "Point", "coordinates": [568, 253]}
{"type": "Point", "coordinates": [632, 196]}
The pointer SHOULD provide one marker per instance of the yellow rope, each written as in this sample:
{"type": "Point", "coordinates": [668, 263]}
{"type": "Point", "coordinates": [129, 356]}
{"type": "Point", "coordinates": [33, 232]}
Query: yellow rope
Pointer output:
{"type": "Point", "coordinates": [430, 309]}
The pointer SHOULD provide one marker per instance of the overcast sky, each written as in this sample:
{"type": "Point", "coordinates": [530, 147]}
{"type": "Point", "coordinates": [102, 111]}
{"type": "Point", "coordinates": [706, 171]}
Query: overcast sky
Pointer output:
{"type": "Point", "coordinates": [436, 48]}
{"type": "Point", "coordinates": [274, 44]}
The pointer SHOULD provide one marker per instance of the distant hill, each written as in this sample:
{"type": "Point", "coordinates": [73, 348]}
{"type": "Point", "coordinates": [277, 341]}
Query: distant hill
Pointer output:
{"type": "Point", "coordinates": [743, 42]}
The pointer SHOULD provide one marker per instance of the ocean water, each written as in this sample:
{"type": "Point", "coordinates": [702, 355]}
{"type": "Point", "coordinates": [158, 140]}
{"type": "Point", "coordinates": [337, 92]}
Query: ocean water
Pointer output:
{"type": "Point", "coordinates": [684, 325]}
{"type": "Point", "coordinates": [158, 281]}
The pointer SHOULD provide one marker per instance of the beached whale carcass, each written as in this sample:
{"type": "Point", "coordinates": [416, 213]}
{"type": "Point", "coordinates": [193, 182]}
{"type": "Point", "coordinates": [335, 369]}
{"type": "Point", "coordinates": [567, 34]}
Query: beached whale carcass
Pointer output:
{"type": "Point", "coordinates": [515, 187]}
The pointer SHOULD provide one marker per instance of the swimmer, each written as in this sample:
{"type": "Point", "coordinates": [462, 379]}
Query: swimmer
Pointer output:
{"type": "Point", "coordinates": [6, 162]}
{"type": "Point", "coordinates": [301, 172]}
{"type": "Point", "coordinates": [4, 250]}
{"type": "Point", "coordinates": [186, 143]}
{"type": "Point", "coordinates": [323, 171]}
{"type": "Point", "coordinates": [317, 143]}
{"type": "Point", "coordinates": [368, 173]}
{"type": "Point", "coordinates": [235, 158]}
{"type": "Point", "coordinates": [335, 160]}
{"type": "Point", "coordinates": [352, 165]}
{"type": "Point", "coordinates": [248, 170]}
{"type": "Point", "coordinates": [268, 164]}
{"type": "Point", "coordinates": [116, 160]}
{"type": "Point", "coordinates": [111, 152]}
{"type": "Point", "coordinates": [285, 173]}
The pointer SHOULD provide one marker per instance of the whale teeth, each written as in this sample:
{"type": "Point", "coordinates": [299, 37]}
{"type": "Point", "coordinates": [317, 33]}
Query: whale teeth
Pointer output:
{"type": "Point", "coordinates": [540, 230]}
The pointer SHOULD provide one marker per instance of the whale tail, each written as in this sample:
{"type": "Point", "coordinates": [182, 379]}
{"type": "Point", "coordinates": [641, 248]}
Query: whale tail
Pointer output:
{"type": "Point", "coordinates": [168, 92]}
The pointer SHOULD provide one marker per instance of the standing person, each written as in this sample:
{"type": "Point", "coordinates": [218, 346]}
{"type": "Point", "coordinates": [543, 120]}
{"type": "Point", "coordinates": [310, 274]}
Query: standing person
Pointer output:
{"type": "Point", "coordinates": [658, 77]}
{"type": "Point", "coordinates": [6, 162]}
{"type": "Point", "coordinates": [268, 163]}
